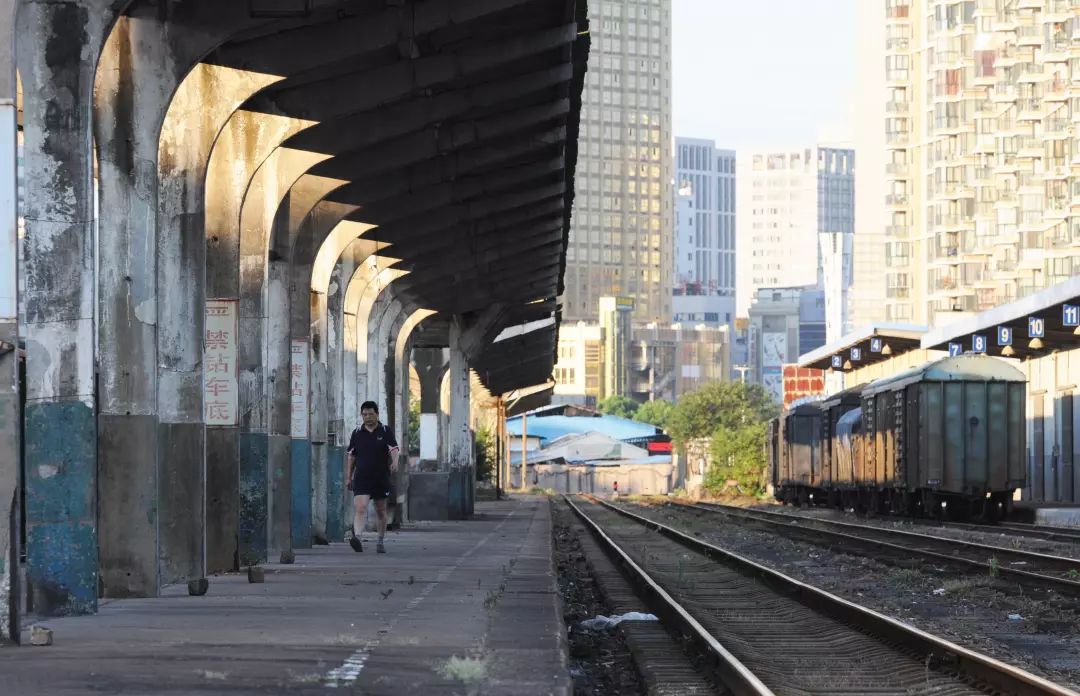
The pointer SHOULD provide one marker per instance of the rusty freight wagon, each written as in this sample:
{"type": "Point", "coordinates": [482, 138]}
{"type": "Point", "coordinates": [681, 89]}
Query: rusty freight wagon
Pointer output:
{"type": "Point", "coordinates": [799, 476]}
{"type": "Point", "coordinates": [947, 438]}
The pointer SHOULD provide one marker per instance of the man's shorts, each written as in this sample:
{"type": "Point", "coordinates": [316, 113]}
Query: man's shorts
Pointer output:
{"type": "Point", "coordinates": [377, 490]}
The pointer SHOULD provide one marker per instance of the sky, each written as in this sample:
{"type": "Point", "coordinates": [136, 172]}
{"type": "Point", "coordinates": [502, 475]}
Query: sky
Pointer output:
{"type": "Point", "coordinates": [761, 73]}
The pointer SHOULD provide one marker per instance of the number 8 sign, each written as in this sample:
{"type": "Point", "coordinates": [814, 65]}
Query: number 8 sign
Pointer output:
{"type": "Point", "coordinates": [978, 344]}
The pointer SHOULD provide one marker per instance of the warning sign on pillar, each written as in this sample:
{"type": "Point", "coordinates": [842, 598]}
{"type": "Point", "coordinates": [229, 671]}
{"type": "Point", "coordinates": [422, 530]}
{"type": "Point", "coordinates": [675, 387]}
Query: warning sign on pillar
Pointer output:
{"type": "Point", "coordinates": [220, 377]}
{"type": "Point", "coordinates": [299, 384]}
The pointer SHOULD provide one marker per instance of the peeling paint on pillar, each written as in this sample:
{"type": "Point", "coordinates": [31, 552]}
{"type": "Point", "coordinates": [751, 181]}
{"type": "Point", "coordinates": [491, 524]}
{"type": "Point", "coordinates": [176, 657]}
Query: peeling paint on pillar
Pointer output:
{"type": "Point", "coordinates": [301, 494]}
{"type": "Point", "coordinates": [61, 498]}
{"type": "Point", "coordinates": [58, 48]}
{"type": "Point", "coordinates": [459, 437]}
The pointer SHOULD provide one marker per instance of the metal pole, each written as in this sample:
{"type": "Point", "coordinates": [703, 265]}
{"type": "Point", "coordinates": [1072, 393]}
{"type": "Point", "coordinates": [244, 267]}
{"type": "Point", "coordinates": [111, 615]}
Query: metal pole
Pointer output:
{"type": "Point", "coordinates": [500, 442]}
{"type": "Point", "coordinates": [524, 448]}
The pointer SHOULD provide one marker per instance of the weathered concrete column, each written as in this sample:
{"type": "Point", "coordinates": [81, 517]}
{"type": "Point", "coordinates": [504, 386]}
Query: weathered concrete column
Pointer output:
{"type": "Point", "coordinates": [58, 47]}
{"type": "Point", "coordinates": [265, 409]}
{"type": "Point", "coordinates": [444, 417]}
{"type": "Point", "coordinates": [201, 107]}
{"type": "Point", "coordinates": [380, 350]}
{"type": "Point", "coordinates": [431, 365]}
{"type": "Point", "coordinates": [459, 439]}
{"type": "Point", "coordinates": [290, 275]}
{"type": "Point", "coordinates": [142, 63]}
{"type": "Point", "coordinates": [335, 393]}
{"type": "Point", "coordinates": [243, 145]}
{"type": "Point", "coordinates": [310, 281]}
{"type": "Point", "coordinates": [10, 437]}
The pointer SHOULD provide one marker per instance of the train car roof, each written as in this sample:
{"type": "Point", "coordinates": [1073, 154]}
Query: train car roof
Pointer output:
{"type": "Point", "coordinates": [802, 407]}
{"type": "Point", "coordinates": [959, 368]}
{"type": "Point", "coordinates": [851, 395]}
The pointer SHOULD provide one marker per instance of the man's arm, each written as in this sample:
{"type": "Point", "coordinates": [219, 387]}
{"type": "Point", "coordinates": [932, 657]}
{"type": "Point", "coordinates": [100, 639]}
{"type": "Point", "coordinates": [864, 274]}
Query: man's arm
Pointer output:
{"type": "Point", "coordinates": [391, 443]}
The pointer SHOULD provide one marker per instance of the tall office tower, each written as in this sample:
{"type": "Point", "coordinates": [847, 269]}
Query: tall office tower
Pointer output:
{"type": "Point", "coordinates": [704, 289]}
{"type": "Point", "coordinates": [786, 200]}
{"type": "Point", "coordinates": [620, 232]}
{"type": "Point", "coordinates": [981, 153]}
{"type": "Point", "coordinates": [872, 253]}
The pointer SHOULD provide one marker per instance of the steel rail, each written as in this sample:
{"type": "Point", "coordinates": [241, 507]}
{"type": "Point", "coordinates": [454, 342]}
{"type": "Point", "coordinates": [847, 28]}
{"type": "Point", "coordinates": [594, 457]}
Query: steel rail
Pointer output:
{"type": "Point", "coordinates": [733, 673]}
{"type": "Point", "coordinates": [984, 670]}
{"type": "Point", "coordinates": [1043, 561]}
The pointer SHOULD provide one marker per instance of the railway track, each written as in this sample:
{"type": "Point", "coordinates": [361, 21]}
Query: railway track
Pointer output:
{"type": "Point", "coordinates": [1033, 572]}
{"type": "Point", "coordinates": [1034, 531]}
{"type": "Point", "coordinates": [767, 633]}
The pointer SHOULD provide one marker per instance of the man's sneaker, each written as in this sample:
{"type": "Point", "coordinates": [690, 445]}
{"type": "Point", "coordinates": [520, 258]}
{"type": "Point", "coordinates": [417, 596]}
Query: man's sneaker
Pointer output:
{"type": "Point", "coordinates": [379, 548]}
{"type": "Point", "coordinates": [354, 542]}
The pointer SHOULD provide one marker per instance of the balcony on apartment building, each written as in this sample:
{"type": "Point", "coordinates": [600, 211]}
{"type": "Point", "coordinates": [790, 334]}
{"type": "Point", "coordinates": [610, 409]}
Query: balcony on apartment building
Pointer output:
{"type": "Point", "coordinates": [1004, 92]}
{"type": "Point", "coordinates": [1031, 109]}
{"type": "Point", "coordinates": [1029, 35]}
{"type": "Point", "coordinates": [897, 200]}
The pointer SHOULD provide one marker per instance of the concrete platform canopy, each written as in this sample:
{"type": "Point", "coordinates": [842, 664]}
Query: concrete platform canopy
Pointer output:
{"type": "Point", "coordinates": [241, 219]}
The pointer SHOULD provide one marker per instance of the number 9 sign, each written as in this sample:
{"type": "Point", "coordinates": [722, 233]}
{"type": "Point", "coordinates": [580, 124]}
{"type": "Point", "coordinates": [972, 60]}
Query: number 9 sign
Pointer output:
{"type": "Point", "coordinates": [1005, 336]}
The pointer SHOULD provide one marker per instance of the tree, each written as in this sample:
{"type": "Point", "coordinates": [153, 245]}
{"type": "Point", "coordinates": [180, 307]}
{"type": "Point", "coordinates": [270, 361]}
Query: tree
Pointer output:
{"type": "Point", "coordinates": [719, 406]}
{"type": "Point", "coordinates": [621, 406]}
{"type": "Point", "coordinates": [484, 452]}
{"type": "Point", "coordinates": [738, 456]}
{"type": "Point", "coordinates": [412, 436]}
{"type": "Point", "coordinates": [656, 413]}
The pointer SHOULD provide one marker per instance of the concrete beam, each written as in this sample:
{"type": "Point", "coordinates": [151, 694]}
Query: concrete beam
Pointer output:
{"type": "Point", "coordinates": [351, 93]}
{"type": "Point", "coordinates": [441, 151]}
{"type": "Point", "coordinates": [354, 131]}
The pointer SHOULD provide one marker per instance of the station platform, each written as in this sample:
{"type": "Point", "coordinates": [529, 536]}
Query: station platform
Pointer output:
{"type": "Point", "coordinates": [452, 608]}
{"type": "Point", "coordinates": [1050, 514]}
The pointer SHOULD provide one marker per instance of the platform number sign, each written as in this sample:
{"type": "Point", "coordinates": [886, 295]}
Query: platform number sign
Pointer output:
{"type": "Point", "coordinates": [1070, 315]}
{"type": "Point", "coordinates": [875, 345]}
{"type": "Point", "coordinates": [1036, 327]}
{"type": "Point", "coordinates": [978, 343]}
{"type": "Point", "coordinates": [856, 354]}
{"type": "Point", "coordinates": [837, 362]}
{"type": "Point", "coordinates": [955, 349]}
{"type": "Point", "coordinates": [1005, 336]}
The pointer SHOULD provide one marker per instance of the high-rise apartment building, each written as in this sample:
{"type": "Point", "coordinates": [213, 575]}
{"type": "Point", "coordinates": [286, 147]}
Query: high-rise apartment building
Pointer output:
{"type": "Point", "coordinates": [620, 232]}
{"type": "Point", "coordinates": [786, 200]}
{"type": "Point", "coordinates": [866, 298]}
{"type": "Point", "coordinates": [981, 152]}
{"type": "Point", "coordinates": [704, 291]}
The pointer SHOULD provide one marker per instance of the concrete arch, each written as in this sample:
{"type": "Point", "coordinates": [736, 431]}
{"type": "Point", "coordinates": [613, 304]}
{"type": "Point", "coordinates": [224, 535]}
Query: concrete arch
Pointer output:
{"type": "Point", "coordinates": [245, 142]}
{"type": "Point", "coordinates": [202, 106]}
{"type": "Point", "coordinates": [142, 64]}
{"type": "Point", "coordinates": [264, 438]}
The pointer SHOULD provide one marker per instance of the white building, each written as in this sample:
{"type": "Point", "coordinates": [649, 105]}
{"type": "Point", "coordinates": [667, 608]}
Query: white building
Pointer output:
{"type": "Point", "coordinates": [704, 292]}
{"type": "Point", "coordinates": [786, 200]}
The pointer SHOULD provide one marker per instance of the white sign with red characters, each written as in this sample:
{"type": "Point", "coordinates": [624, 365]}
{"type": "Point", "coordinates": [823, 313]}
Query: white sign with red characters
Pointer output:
{"type": "Point", "coordinates": [299, 383]}
{"type": "Point", "coordinates": [220, 375]}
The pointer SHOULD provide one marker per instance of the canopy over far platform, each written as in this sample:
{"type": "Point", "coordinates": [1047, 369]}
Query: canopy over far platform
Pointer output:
{"type": "Point", "coordinates": [1031, 327]}
{"type": "Point", "coordinates": [866, 346]}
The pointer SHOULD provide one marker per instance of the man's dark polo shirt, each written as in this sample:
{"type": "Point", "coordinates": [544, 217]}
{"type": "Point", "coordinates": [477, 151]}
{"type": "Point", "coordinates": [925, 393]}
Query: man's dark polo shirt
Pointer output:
{"type": "Point", "coordinates": [371, 448]}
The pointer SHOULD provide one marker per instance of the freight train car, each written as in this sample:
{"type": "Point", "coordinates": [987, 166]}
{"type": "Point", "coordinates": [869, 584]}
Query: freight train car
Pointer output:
{"type": "Point", "coordinates": [799, 454]}
{"type": "Point", "coordinates": [947, 438]}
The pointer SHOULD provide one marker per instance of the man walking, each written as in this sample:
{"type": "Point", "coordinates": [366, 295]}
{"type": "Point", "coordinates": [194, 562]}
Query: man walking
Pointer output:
{"type": "Point", "coordinates": [372, 455]}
